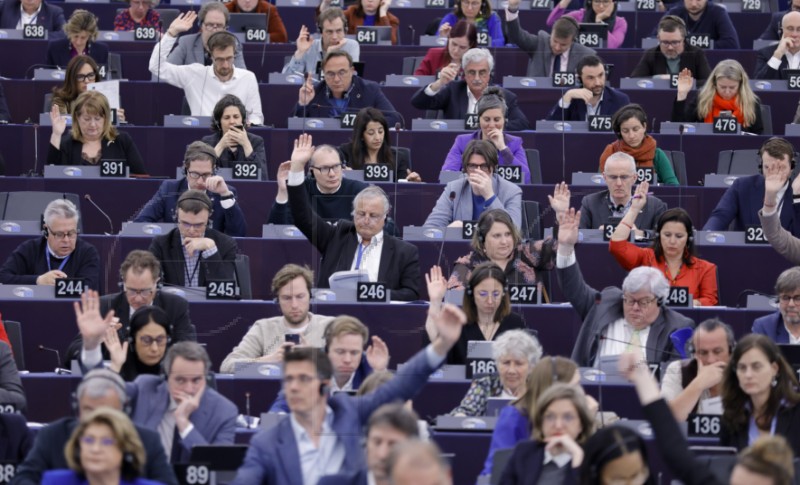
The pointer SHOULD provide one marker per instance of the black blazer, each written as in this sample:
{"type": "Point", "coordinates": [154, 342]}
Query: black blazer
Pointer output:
{"type": "Point", "coordinates": [654, 62]}
{"type": "Point", "coordinates": [452, 100]}
{"type": "Point", "coordinates": [59, 53]}
{"type": "Point", "coordinates": [122, 147]}
{"type": "Point", "coordinates": [228, 158]}
{"type": "Point", "coordinates": [613, 100]}
{"type": "Point", "coordinates": [363, 94]}
{"type": "Point", "coordinates": [48, 454]}
{"type": "Point", "coordinates": [28, 262]}
{"type": "Point", "coordinates": [50, 16]}
{"type": "Point", "coordinates": [176, 308]}
{"type": "Point", "coordinates": [788, 426]}
{"type": "Point", "coordinates": [15, 442]}
{"type": "Point", "coordinates": [763, 71]}
{"type": "Point", "coordinates": [5, 114]}
{"type": "Point", "coordinates": [526, 463]}
{"type": "Point", "coordinates": [401, 161]}
{"type": "Point", "coordinates": [686, 111]}
{"type": "Point", "coordinates": [167, 248]}
{"type": "Point", "coordinates": [399, 267]}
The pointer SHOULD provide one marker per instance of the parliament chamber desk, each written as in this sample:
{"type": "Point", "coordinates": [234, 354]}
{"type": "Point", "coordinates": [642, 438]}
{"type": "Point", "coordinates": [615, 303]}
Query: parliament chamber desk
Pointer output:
{"type": "Point", "coordinates": [561, 154]}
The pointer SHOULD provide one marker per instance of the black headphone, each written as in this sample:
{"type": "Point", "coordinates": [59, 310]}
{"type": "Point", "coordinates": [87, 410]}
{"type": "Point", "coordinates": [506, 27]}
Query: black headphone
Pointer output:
{"type": "Point", "coordinates": [108, 376]}
{"type": "Point", "coordinates": [206, 150]}
{"type": "Point", "coordinates": [689, 348]}
{"type": "Point", "coordinates": [147, 308]}
{"type": "Point", "coordinates": [792, 160]}
{"type": "Point", "coordinates": [493, 271]}
{"type": "Point", "coordinates": [343, 18]}
{"type": "Point", "coordinates": [127, 460]}
{"type": "Point", "coordinates": [323, 389]}
{"type": "Point", "coordinates": [661, 222]}
{"type": "Point", "coordinates": [629, 442]}
{"type": "Point", "coordinates": [208, 206]}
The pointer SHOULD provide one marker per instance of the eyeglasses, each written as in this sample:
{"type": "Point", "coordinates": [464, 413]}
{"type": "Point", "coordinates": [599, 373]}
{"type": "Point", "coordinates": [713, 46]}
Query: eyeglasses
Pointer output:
{"type": "Point", "coordinates": [147, 292]}
{"type": "Point", "coordinates": [361, 215]}
{"type": "Point", "coordinates": [642, 302]}
{"type": "Point", "coordinates": [302, 379]}
{"type": "Point", "coordinates": [188, 225]}
{"type": "Point", "coordinates": [670, 43]}
{"type": "Point", "coordinates": [602, 2]}
{"type": "Point", "coordinates": [566, 418]}
{"type": "Point", "coordinates": [620, 178]}
{"type": "Point", "coordinates": [197, 175]}
{"type": "Point", "coordinates": [331, 75]}
{"type": "Point", "coordinates": [788, 298]}
{"type": "Point", "coordinates": [471, 4]}
{"type": "Point", "coordinates": [474, 166]}
{"type": "Point", "coordinates": [495, 295]}
{"type": "Point", "coordinates": [84, 78]}
{"type": "Point", "coordinates": [104, 442]}
{"type": "Point", "coordinates": [209, 26]}
{"type": "Point", "coordinates": [329, 169]}
{"type": "Point", "coordinates": [63, 235]}
{"type": "Point", "coordinates": [147, 340]}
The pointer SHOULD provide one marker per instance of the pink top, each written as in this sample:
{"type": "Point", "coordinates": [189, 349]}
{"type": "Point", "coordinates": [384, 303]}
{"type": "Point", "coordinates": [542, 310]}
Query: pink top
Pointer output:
{"type": "Point", "coordinates": [615, 36]}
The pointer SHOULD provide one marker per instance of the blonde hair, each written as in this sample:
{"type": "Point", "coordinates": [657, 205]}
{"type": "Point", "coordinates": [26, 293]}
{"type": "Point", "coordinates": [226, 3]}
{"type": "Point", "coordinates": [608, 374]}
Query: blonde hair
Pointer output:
{"type": "Point", "coordinates": [746, 98]}
{"type": "Point", "coordinates": [93, 103]}
{"type": "Point", "coordinates": [81, 20]}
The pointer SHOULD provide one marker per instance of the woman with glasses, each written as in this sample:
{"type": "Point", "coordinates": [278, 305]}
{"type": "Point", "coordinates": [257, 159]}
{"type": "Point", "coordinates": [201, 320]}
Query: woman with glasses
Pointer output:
{"type": "Point", "coordinates": [80, 73]}
{"type": "Point", "coordinates": [105, 448]}
{"type": "Point", "coordinates": [92, 138]}
{"type": "Point", "coordinates": [595, 12]}
{"type": "Point", "coordinates": [150, 334]}
{"type": "Point", "coordinates": [462, 37]}
{"type": "Point", "coordinates": [726, 93]}
{"type": "Point", "coordinates": [486, 303]}
{"type": "Point", "coordinates": [140, 13]}
{"type": "Point", "coordinates": [479, 13]}
{"type": "Point", "coordinates": [370, 144]}
{"type": "Point", "coordinates": [231, 141]}
{"type": "Point", "coordinates": [673, 251]}
{"type": "Point", "coordinates": [562, 423]}
{"type": "Point", "coordinates": [629, 123]}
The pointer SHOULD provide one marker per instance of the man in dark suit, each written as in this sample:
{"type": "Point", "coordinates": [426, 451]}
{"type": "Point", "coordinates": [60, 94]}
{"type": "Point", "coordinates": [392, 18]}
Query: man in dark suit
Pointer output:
{"type": "Point", "coordinates": [389, 425]}
{"type": "Point", "coordinates": [556, 51]}
{"type": "Point", "coordinates": [457, 99]}
{"type": "Point", "coordinates": [783, 326]}
{"type": "Point", "coordinates": [672, 54]}
{"type": "Point", "coordinates": [741, 202]}
{"type": "Point", "coordinates": [140, 274]}
{"type": "Point", "coordinates": [58, 253]}
{"type": "Point", "coordinates": [620, 176]}
{"type": "Point", "coordinates": [773, 30]}
{"type": "Point", "coordinates": [15, 14]}
{"type": "Point", "coordinates": [275, 455]}
{"type": "Point", "coordinates": [342, 92]}
{"type": "Point", "coordinates": [773, 61]}
{"type": "Point", "coordinates": [594, 97]}
{"type": "Point", "coordinates": [616, 320]}
{"type": "Point", "coordinates": [361, 244]}
{"type": "Point", "coordinates": [179, 405]}
{"type": "Point", "coordinates": [200, 173]}
{"type": "Point", "coordinates": [100, 387]}
{"type": "Point", "coordinates": [193, 253]}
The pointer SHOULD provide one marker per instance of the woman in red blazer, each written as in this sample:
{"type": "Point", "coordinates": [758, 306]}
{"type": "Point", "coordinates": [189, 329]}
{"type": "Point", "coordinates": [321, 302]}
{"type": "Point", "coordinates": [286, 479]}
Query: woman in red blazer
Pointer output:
{"type": "Point", "coordinates": [463, 37]}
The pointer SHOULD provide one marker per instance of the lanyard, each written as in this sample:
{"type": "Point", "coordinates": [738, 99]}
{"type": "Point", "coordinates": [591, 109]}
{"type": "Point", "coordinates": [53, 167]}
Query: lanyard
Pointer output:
{"type": "Point", "coordinates": [47, 258]}
{"type": "Point", "coordinates": [189, 277]}
{"type": "Point", "coordinates": [360, 253]}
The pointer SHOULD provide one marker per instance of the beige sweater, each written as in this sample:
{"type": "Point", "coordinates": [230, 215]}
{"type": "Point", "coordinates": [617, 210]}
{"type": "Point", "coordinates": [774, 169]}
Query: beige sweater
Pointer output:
{"type": "Point", "coordinates": [267, 335]}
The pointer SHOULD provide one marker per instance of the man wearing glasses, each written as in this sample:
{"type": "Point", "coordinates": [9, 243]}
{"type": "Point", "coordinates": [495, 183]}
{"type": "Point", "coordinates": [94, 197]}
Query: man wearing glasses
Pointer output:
{"type": "Point", "coordinates": [58, 253]}
{"type": "Point", "coordinates": [783, 326]}
{"type": "Point", "coordinates": [359, 245]}
{"type": "Point", "coordinates": [614, 202]}
{"type": "Point", "coordinates": [672, 54]}
{"type": "Point", "coordinates": [704, 17]}
{"type": "Point", "coordinates": [616, 320]}
{"type": "Point", "coordinates": [140, 273]}
{"type": "Point", "coordinates": [199, 168]}
{"type": "Point", "coordinates": [193, 253]}
{"type": "Point", "coordinates": [773, 30]}
{"type": "Point", "coordinates": [342, 92]}
{"type": "Point", "coordinates": [193, 48]}
{"type": "Point", "coordinates": [204, 85]}
{"type": "Point", "coordinates": [773, 61]}
{"type": "Point", "coordinates": [332, 24]}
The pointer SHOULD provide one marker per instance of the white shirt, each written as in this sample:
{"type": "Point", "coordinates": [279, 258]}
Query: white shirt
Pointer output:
{"type": "Point", "coordinates": [347, 387]}
{"type": "Point", "coordinates": [792, 339]}
{"type": "Point", "coordinates": [472, 101]}
{"type": "Point", "coordinates": [26, 18]}
{"type": "Point", "coordinates": [202, 87]}
{"type": "Point", "coordinates": [370, 255]}
{"type": "Point", "coordinates": [672, 386]}
{"type": "Point", "coordinates": [318, 461]}
{"type": "Point", "coordinates": [618, 334]}
{"type": "Point", "coordinates": [590, 110]}
{"type": "Point", "coordinates": [560, 459]}
{"type": "Point", "coordinates": [792, 59]}
{"type": "Point", "coordinates": [778, 200]}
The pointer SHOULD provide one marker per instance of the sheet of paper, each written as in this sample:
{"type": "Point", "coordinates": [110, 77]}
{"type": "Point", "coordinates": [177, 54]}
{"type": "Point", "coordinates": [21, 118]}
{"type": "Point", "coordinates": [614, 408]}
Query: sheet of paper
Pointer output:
{"type": "Point", "coordinates": [110, 89]}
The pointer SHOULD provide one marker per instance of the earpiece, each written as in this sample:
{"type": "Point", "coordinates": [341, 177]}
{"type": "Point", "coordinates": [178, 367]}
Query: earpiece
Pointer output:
{"type": "Point", "coordinates": [101, 374]}
{"type": "Point", "coordinates": [553, 369]}
{"type": "Point", "coordinates": [323, 389]}
{"type": "Point", "coordinates": [792, 161]}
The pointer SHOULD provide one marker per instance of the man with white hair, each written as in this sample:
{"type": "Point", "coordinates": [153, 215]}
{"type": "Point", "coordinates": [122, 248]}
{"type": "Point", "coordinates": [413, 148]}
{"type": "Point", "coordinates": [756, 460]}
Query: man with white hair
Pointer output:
{"type": "Point", "coordinates": [633, 318]}
{"type": "Point", "coordinates": [457, 99]}
{"type": "Point", "coordinates": [58, 253]}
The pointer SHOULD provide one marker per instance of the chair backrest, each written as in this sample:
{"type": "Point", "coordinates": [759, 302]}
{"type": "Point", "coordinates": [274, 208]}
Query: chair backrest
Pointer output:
{"type": "Point", "coordinates": [401, 153]}
{"type": "Point", "coordinates": [738, 162]}
{"type": "Point", "coordinates": [14, 331]}
{"type": "Point", "coordinates": [243, 274]}
{"type": "Point", "coordinates": [114, 65]}
{"type": "Point", "coordinates": [531, 223]}
{"type": "Point", "coordinates": [720, 466]}
{"type": "Point", "coordinates": [410, 64]}
{"type": "Point", "coordinates": [48, 102]}
{"type": "Point", "coordinates": [766, 118]}
{"type": "Point", "coordinates": [678, 161]}
{"type": "Point", "coordinates": [499, 462]}
{"type": "Point", "coordinates": [167, 15]}
{"type": "Point", "coordinates": [30, 205]}
{"type": "Point", "coordinates": [534, 165]}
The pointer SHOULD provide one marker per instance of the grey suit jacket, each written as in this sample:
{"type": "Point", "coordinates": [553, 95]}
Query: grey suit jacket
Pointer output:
{"type": "Point", "coordinates": [455, 203]}
{"type": "Point", "coordinates": [595, 211]}
{"type": "Point", "coordinates": [214, 420]}
{"type": "Point", "coordinates": [189, 50]}
{"type": "Point", "coordinates": [599, 313]}
{"type": "Point", "coordinates": [538, 49]}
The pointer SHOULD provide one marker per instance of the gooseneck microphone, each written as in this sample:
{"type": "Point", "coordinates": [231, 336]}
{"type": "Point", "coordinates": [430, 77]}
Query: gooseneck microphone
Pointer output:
{"type": "Point", "coordinates": [58, 369]}
{"type": "Point", "coordinates": [110, 223]}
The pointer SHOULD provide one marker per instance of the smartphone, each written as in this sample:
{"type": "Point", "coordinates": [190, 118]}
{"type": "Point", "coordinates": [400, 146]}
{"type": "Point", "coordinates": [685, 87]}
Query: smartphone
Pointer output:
{"type": "Point", "coordinates": [293, 337]}
{"type": "Point", "coordinates": [239, 127]}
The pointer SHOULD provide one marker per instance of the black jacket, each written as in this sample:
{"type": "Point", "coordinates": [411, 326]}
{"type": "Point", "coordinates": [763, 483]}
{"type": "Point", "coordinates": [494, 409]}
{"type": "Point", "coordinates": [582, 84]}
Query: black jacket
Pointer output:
{"type": "Point", "coordinates": [50, 16]}
{"type": "Point", "coordinates": [29, 261]}
{"type": "Point", "coordinates": [167, 248]}
{"type": "Point", "coordinates": [59, 53]}
{"type": "Point", "coordinates": [654, 62]}
{"type": "Point", "coordinates": [122, 148]}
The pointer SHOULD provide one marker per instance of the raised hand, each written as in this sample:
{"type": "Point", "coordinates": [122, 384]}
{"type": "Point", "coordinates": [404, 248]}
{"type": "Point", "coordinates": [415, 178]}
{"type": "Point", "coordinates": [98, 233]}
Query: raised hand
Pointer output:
{"type": "Point", "coordinates": [91, 324]}
{"type": "Point", "coordinates": [303, 149]}
{"type": "Point", "coordinates": [449, 322]}
{"type": "Point", "coordinates": [58, 121]}
{"type": "Point", "coordinates": [639, 199]}
{"type": "Point", "coordinates": [118, 352]}
{"type": "Point", "coordinates": [182, 23]}
{"type": "Point", "coordinates": [559, 201]}
{"type": "Point", "coordinates": [384, 8]}
{"type": "Point", "coordinates": [444, 29]}
{"type": "Point", "coordinates": [437, 285]}
{"type": "Point", "coordinates": [304, 42]}
{"type": "Point", "coordinates": [568, 223]}
{"type": "Point", "coordinates": [685, 81]}
{"type": "Point", "coordinates": [306, 92]}
{"type": "Point", "coordinates": [378, 354]}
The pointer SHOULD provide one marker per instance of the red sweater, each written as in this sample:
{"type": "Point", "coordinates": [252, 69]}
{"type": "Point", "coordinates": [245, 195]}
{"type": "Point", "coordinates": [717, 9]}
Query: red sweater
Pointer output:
{"type": "Point", "coordinates": [275, 27]}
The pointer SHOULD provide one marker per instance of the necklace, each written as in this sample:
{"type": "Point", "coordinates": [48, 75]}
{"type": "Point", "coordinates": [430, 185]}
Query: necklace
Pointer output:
{"type": "Point", "coordinates": [488, 329]}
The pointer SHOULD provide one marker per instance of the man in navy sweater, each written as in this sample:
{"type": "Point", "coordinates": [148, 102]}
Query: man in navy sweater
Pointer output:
{"type": "Point", "coordinates": [704, 17]}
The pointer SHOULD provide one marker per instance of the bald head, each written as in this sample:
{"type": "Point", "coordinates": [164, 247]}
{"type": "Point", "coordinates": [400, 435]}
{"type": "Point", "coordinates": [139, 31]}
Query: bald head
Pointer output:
{"type": "Point", "coordinates": [791, 30]}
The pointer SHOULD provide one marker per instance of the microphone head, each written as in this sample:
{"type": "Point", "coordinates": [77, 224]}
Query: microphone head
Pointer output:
{"type": "Point", "coordinates": [397, 126]}
{"type": "Point", "coordinates": [87, 196]}
{"type": "Point", "coordinates": [41, 347]}
{"type": "Point", "coordinates": [453, 195]}
{"type": "Point", "coordinates": [681, 127]}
